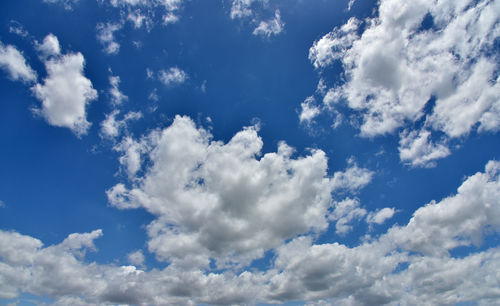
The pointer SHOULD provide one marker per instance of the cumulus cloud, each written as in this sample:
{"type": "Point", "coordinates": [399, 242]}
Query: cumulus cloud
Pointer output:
{"type": "Point", "coordinates": [308, 110]}
{"type": "Point", "coordinates": [380, 216]}
{"type": "Point", "coordinates": [106, 36]}
{"type": "Point", "coordinates": [17, 28]}
{"type": "Point", "coordinates": [172, 76]}
{"type": "Point", "coordinates": [352, 179]}
{"type": "Point", "coordinates": [270, 27]}
{"type": "Point", "coordinates": [49, 46]}
{"type": "Point", "coordinates": [111, 127]}
{"type": "Point", "coordinates": [65, 93]}
{"type": "Point", "coordinates": [416, 149]}
{"type": "Point", "coordinates": [68, 4]}
{"type": "Point", "coordinates": [117, 97]}
{"type": "Point", "coordinates": [344, 213]}
{"type": "Point", "coordinates": [13, 62]}
{"type": "Point", "coordinates": [395, 66]}
{"type": "Point", "coordinates": [215, 200]}
{"type": "Point", "coordinates": [406, 265]}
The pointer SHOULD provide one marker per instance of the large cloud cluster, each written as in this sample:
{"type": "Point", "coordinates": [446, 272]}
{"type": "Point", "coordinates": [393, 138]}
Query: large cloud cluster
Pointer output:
{"type": "Point", "coordinates": [427, 66]}
{"type": "Point", "coordinates": [223, 200]}
{"type": "Point", "coordinates": [407, 265]}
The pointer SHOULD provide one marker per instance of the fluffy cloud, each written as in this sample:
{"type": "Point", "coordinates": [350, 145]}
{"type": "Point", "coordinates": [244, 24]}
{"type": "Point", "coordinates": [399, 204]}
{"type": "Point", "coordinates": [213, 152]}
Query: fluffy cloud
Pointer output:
{"type": "Point", "coordinates": [68, 4]}
{"type": "Point", "coordinates": [352, 179]}
{"type": "Point", "coordinates": [308, 110]}
{"type": "Point", "coordinates": [247, 10]}
{"type": "Point", "coordinates": [396, 66]}
{"type": "Point", "coordinates": [380, 216]}
{"type": "Point", "coordinates": [117, 97]}
{"type": "Point", "coordinates": [416, 149]}
{"type": "Point", "coordinates": [172, 76]}
{"type": "Point", "coordinates": [270, 27]}
{"type": "Point", "coordinates": [344, 213]}
{"type": "Point", "coordinates": [49, 46]}
{"type": "Point", "coordinates": [106, 36]}
{"type": "Point", "coordinates": [407, 265]}
{"type": "Point", "coordinates": [112, 127]}
{"type": "Point", "coordinates": [65, 93]}
{"type": "Point", "coordinates": [215, 200]}
{"type": "Point", "coordinates": [14, 63]}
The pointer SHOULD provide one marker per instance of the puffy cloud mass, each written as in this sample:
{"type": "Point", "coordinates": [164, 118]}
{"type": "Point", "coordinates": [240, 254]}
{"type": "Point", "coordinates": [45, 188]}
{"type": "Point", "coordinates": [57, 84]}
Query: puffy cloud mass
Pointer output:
{"type": "Point", "coordinates": [407, 265]}
{"type": "Point", "coordinates": [216, 200]}
{"type": "Point", "coordinates": [419, 60]}
{"type": "Point", "coordinates": [172, 76]}
{"type": "Point", "coordinates": [14, 63]}
{"type": "Point", "coordinates": [270, 27]}
{"type": "Point", "coordinates": [65, 93]}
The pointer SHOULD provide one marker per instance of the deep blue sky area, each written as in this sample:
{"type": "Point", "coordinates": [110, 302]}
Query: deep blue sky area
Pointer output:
{"type": "Point", "coordinates": [54, 180]}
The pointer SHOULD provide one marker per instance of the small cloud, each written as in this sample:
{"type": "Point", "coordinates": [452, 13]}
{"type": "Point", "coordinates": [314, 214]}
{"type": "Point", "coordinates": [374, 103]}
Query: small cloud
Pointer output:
{"type": "Point", "coordinates": [105, 35]}
{"type": "Point", "coordinates": [380, 216]}
{"type": "Point", "coordinates": [172, 76]}
{"type": "Point", "coordinates": [270, 27]}
{"type": "Point", "coordinates": [49, 46]}
{"type": "Point", "coordinates": [13, 62]}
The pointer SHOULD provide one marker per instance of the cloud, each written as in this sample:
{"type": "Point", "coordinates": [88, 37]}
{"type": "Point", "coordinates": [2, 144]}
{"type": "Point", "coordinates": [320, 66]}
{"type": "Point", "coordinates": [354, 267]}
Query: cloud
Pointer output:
{"type": "Point", "coordinates": [136, 258]}
{"type": "Point", "coordinates": [105, 35]}
{"type": "Point", "coordinates": [117, 97]}
{"type": "Point", "coordinates": [172, 76]}
{"type": "Point", "coordinates": [352, 179]}
{"type": "Point", "coordinates": [380, 216]}
{"type": "Point", "coordinates": [215, 200]}
{"type": "Point", "coordinates": [65, 93]}
{"type": "Point", "coordinates": [241, 8]}
{"type": "Point", "coordinates": [344, 213]}
{"type": "Point", "coordinates": [416, 149]}
{"type": "Point", "coordinates": [17, 28]}
{"type": "Point", "coordinates": [406, 265]}
{"type": "Point", "coordinates": [308, 110]}
{"type": "Point", "coordinates": [49, 46]}
{"type": "Point", "coordinates": [111, 127]}
{"type": "Point", "coordinates": [13, 62]}
{"type": "Point", "coordinates": [394, 66]}
{"type": "Point", "coordinates": [270, 27]}
{"type": "Point", "coordinates": [68, 4]}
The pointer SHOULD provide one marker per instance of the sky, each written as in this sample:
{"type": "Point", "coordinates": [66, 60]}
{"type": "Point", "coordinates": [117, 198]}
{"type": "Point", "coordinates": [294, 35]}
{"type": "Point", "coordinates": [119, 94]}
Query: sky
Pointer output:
{"type": "Point", "coordinates": [249, 152]}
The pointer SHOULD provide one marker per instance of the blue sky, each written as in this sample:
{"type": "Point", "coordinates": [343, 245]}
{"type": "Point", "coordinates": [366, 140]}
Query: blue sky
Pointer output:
{"type": "Point", "coordinates": [160, 152]}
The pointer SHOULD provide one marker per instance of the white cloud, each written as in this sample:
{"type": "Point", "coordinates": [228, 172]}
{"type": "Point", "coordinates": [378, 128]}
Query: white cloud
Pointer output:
{"type": "Point", "coordinates": [380, 216]}
{"type": "Point", "coordinates": [394, 67]}
{"type": "Point", "coordinates": [344, 213]}
{"type": "Point", "coordinates": [172, 76]}
{"type": "Point", "coordinates": [407, 265]}
{"type": "Point", "coordinates": [65, 93]}
{"type": "Point", "coordinates": [136, 258]}
{"type": "Point", "coordinates": [353, 178]}
{"type": "Point", "coordinates": [2, 204]}
{"type": "Point", "coordinates": [17, 28]}
{"type": "Point", "coordinates": [139, 19]}
{"type": "Point", "coordinates": [270, 27]}
{"type": "Point", "coordinates": [117, 97]}
{"type": "Point", "coordinates": [416, 149]}
{"type": "Point", "coordinates": [105, 35]}
{"type": "Point", "coordinates": [68, 4]}
{"type": "Point", "coordinates": [132, 151]}
{"type": "Point", "coordinates": [13, 62]}
{"type": "Point", "coordinates": [111, 127]}
{"type": "Point", "coordinates": [308, 110]}
{"type": "Point", "coordinates": [241, 8]}
{"type": "Point", "coordinates": [170, 18]}
{"type": "Point", "coordinates": [215, 200]}
{"type": "Point", "coordinates": [49, 46]}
